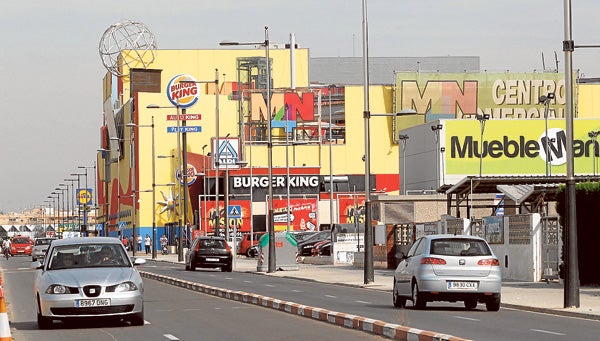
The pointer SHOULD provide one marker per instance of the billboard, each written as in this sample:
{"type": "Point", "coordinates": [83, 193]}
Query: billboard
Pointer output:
{"type": "Point", "coordinates": [463, 95]}
{"type": "Point", "coordinates": [518, 147]}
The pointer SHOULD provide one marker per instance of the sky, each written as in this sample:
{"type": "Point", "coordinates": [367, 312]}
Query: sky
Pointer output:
{"type": "Point", "coordinates": [51, 71]}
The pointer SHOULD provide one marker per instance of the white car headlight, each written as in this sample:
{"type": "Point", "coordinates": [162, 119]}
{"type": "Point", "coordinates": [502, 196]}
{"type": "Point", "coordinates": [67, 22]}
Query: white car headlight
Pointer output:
{"type": "Point", "coordinates": [123, 287]}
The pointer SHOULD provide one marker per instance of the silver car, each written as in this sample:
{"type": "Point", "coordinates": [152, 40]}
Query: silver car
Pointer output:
{"type": "Point", "coordinates": [448, 268]}
{"type": "Point", "coordinates": [40, 246]}
{"type": "Point", "coordinates": [88, 277]}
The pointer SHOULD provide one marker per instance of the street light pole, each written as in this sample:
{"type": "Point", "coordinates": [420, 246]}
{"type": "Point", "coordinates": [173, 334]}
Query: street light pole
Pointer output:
{"type": "Point", "coordinates": [330, 88]}
{"type": "Point", "coordinates": [437, 128]}
{"type": "Point", "coordinates": [369, 273]}
{"type": "Point", "coordinates": [402, 178]}
{"type": "Point", "coordinates": [270, 225]}
{"type": "Point", "coordinates": [226, 191]}
{"type": "Point", "coordinates": [593, 135]}
{"type": "Point", "coordinates": [482, 118]}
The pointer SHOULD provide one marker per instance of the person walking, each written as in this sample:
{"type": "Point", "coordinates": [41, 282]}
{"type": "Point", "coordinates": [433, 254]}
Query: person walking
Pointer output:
{"type": "Point", "coordinates": [163, 244]}
{"type": "Point", "coordinates": [139, 242]}
{"type": "Point", "coordinates": [148, 243]}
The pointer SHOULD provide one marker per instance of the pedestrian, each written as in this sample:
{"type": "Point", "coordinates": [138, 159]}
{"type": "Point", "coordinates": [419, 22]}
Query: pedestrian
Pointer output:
{"type": "Point", "coordinates": [147, 243]}
{"type": "Point", "coordinates": [125, 243]}
{"type": "Point", "coordinates": [163, 244]}
{"type": "Point", "coordinates": [139, 242]}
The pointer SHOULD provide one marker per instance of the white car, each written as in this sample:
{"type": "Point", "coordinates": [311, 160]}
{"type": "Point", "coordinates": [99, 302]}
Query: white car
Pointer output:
{"type": "Point", "coordinates": [449, 268]}
{"type": "Point", "coordinates": [88, 278]}
{"type": "Point", "coordinates": [40, 246]}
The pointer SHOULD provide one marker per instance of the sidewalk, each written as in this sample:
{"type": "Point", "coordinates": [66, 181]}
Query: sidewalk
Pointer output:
{"type": "Point", "coordinates": [547, 297]}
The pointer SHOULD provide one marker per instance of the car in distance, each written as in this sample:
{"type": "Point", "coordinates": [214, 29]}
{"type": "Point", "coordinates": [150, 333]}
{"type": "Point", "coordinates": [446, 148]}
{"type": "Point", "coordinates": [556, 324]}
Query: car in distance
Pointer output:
{"type": "Point", "coordinates": [448, 268]}
{"type": "Point", "coordinates": [21, 245]}
{"type": "Point", "coordinates": [88, 278]}
{"type": "Point", "coordinates": [40, 246]}
{"type": "Point", "coordinates": [245, 243]}
{"type": "Point", "coordinates": [209, 252]}
{"type": "Point", "coordinates": [305, 247]}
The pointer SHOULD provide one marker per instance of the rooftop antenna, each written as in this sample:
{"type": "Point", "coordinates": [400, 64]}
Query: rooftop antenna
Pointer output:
{"type": "Point", "coordinates": [556, 61]}
{"type": "Point", "coordinates": [543, 63]}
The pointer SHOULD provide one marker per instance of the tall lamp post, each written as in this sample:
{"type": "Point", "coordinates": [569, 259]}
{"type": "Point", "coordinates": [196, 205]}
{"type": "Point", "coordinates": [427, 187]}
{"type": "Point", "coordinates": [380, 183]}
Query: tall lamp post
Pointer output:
{"type": "Point", "coordinates": [330, 88]}
{"type": "Point", "coordinates": [86, 205]}
{"type": "Point", "coordinates": [482, 118]}
{"type": "Point", "coordinates": [593, 135]}
{"type": "Point", "coordinates": [270, 226]}
{"type": "Point", "coordinates": [437, 128]}
{"type": "Point", "coordinates": [403, 139]}
{"type": "Point", "coordinates": [545, 100]}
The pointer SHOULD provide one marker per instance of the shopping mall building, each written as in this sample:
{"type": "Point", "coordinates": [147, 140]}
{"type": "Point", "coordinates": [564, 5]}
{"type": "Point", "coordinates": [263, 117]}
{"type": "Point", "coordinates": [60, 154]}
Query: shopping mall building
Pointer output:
{"type": "Point", "coordinates": [210, 107]}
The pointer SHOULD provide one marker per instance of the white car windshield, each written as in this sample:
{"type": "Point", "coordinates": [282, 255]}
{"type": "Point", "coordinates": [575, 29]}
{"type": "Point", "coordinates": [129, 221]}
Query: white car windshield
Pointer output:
{"type": "Point", "coordinates": [87, 255]}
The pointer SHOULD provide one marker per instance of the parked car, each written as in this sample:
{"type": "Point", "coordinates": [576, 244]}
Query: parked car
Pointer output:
{"type": "Point", "coordinates": [245, 244]}
{"type": "Point", "coordinates": [325, 248]}
{"type": "Point", "coordinates": [40, 246]}
{"type": "Point", "coordinates": [302, 235]}
{"type": "Point", "coordinates": [88, 278]}
{"type": "Point", "coordinates": [209, 252]}
{"type": "Point", "coordinates": [317, 248]}
{"type": "Point", "coordinates": [21, 245]}
{"type": "Point", "coordinates": [305, 247]}
{"type": "Point", "coordinates": [448, 268]}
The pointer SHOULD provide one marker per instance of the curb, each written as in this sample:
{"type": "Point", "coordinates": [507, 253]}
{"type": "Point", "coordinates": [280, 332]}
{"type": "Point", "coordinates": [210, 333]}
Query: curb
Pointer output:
{"type": "Point", "coordinates": [377, 327]}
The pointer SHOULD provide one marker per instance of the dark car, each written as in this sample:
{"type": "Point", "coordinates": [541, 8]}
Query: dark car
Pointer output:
{"type": "Point", "coordinates": [209, 252]}
{"type": "Point", "coordinates": [305, 247]}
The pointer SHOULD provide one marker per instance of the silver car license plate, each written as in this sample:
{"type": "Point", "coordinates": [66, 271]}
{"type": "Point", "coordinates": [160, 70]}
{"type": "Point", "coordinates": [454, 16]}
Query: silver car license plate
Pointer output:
{"type": "Point", "coordinates": [461, 285]}
{"type": "Point", "coordinates": [100, 302]}
{"type": "Point", "coordinates": [212, 259]}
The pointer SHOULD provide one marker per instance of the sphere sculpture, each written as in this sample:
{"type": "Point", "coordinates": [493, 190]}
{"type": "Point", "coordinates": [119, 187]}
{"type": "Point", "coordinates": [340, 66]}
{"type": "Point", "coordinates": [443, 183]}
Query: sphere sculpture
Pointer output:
{"type": "Point", "coordinates": [127, 35]}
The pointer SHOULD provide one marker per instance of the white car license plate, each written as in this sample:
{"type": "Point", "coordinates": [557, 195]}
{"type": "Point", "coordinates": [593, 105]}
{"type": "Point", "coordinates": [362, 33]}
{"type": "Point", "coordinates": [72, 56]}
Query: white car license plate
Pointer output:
{"type": "Point", "coordinates": [457, 285]}
{"type": "Point", "coordinates": [100, 302]}
{"type": "Point", "coordinates": [212, 259]}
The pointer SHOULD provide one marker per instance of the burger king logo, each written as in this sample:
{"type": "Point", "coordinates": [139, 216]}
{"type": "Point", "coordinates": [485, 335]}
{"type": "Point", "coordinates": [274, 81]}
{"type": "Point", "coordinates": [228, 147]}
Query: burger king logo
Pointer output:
{"type": "Point", "coordinates": [182, 91]}
{"type": "Point", "coordinates": [191, 175]}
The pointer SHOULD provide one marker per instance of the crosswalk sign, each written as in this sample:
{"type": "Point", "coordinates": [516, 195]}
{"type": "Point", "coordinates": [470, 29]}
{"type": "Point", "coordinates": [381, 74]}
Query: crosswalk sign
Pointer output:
{"type": "Point", "coordinates": [234, 211]}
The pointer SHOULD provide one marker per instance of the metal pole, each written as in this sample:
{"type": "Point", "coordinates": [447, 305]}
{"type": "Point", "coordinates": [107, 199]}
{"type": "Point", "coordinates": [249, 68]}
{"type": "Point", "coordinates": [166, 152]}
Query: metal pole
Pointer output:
{"type": "Point", "coordinates": [330, 87]}
{"type": "Point", "coordinates": [288, 210]}
{"type": "Point", "coordinates": [153, 194]}
{"type": "Point", "coordinates": [216, 155]}
{"type": "Point", "coordinates": [185, 186]}
{"type": "Point", "coordinates": [369, 274]}
{"type": "Point", "coordinates": [271, 227]}
{"type": "Point", "coordinates": [203, 220]}
{"type": "Point", "coordinates": [226, 199]}
{"type": "Point", "coordinates": [133, 189]}
{"type": "Point", "coordinates": [571, 293]}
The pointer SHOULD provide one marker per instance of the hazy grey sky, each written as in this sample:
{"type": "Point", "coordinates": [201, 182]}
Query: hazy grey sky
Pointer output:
{"type": "Point", "coordinates": [51, 72]}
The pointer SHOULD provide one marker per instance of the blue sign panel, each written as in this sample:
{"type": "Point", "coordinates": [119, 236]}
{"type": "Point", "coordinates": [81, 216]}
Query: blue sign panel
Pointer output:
{"type": "Point", "coordinates": [234, 211]}
{"type": "Point", "coordinates": [186, 129]}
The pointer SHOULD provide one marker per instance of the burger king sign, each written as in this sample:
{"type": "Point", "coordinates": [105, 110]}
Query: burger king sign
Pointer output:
{"type": "Point", "coordinates": [182, 91]}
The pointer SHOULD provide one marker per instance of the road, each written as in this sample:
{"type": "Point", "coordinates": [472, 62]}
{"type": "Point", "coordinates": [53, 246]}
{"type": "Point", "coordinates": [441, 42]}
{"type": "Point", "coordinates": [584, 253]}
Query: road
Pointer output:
{"type": "Point", "coordinates": [442, 317]}
{"type": "Point", "coordinates": [171, 314]}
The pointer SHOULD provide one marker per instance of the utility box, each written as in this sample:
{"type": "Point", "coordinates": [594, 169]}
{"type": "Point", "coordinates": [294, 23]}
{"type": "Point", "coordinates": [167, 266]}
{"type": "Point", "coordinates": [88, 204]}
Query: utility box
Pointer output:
{"type": "Point", "coordinates": [286, 252]}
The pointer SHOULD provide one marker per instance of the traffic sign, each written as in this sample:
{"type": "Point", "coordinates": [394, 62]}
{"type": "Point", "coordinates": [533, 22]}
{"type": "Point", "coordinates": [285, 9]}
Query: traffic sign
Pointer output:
{"type": "Point", "coordinates": [185, 129]}
{"type": "Point", "coordinates": [186, 117]}
{"type": "Point", "coordinates": [234, 211]}
{"type": "Point", "coordinates": [122, 224]}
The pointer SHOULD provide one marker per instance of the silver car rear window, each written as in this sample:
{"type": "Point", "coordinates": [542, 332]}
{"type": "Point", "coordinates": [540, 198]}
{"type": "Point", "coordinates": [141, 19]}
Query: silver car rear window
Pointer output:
{"type": "Point", "coordinates": [459, 247]}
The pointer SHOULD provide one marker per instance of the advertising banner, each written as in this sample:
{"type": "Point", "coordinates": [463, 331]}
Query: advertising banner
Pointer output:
{"type": "Point", "coordinates": [208, 223]}
{"type": "Point", "coordinates": [351, 209]}
{"type": "Point", "coordinates": [463, 95]}
{"type": "Point", "coordinates": [518, 147]}
{"type": "Point", "coordinates": [302, 214]}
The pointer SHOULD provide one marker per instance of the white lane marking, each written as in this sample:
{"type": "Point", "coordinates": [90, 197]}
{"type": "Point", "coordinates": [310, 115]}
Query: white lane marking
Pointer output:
{"type": "Point", "coordinates": [466, 318]}
{"type": "Point", "coordinates": [228, 278]}
{"type": "Point", "coordinates": [270, 285]}
{"type": "Point", "coordinates": [171, 337]}
{"type": "Point", "coordinates": [247, 281]}
{"type": "Point", "coordinates": [547, 332]}
{"type": "Point", "coordinates": [296, 290]}
{"type": "Point", "coordinates": [330, 296]}
{"type": "Point", "coordinates": [363, 302]}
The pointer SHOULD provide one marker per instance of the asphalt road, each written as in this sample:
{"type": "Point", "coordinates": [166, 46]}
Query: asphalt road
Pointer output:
{"type": "Point", "coordinates": [171, 313]}
{"type": "Point", "coordinates": [448, 318]}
